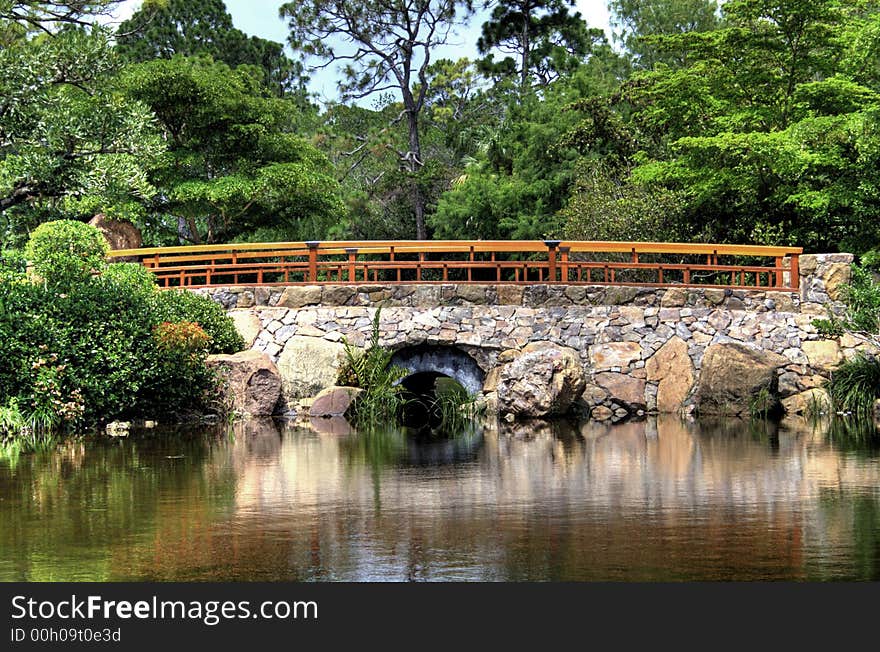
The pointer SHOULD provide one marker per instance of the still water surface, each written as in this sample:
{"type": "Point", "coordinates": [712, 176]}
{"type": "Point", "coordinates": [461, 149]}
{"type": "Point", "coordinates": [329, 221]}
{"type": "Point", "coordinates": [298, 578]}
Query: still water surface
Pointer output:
{"type": "Point", "coordinates": [264, 500]}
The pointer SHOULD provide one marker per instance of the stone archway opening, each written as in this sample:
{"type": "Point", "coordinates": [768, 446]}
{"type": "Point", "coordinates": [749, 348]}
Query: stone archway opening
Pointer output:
{"type": "Point", "coordinates": [442, 361]}
{"type": "Point", "coordinates": [435, 373]}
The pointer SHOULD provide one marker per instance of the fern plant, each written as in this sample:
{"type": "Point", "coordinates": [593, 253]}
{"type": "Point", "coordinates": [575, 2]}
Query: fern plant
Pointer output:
{"type": "Point", "coordinates": [371, 370]}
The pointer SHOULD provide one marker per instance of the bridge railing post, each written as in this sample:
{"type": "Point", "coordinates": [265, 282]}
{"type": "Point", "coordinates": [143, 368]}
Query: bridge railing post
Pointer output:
{"type": "Point", "coordinates": [352, 259]}
{"type": "Point", "coordinates": [551, 257]}
{"type": "Point", "coordinates": [313, 260]}
{"type": "Point", "coordinates": [563, 256]}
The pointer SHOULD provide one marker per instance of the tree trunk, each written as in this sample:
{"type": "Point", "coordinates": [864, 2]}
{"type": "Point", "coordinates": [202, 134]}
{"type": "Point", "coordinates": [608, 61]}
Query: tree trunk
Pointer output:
{"type": "Point", "coordinates": [414, 165]}
{"type": "Point", "coordinates": [526, 46]}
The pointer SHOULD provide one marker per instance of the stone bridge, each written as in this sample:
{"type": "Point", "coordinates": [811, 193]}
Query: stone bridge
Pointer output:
{"type": "Point", "coordinates": [642, 349]}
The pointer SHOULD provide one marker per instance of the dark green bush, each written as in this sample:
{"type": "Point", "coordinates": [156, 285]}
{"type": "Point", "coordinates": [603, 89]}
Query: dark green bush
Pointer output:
{"type": "Point", "coordinates": [91, 348]}
{"type": "Point", "coordinates": [66, 252]}
{"type": "Point", "coordinates": [182, 305]}
{"type": "Point", "coordinates": [13, 265]}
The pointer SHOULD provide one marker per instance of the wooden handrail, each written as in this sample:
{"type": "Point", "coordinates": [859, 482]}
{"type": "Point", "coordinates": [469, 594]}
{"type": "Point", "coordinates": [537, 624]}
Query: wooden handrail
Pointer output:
{"type": "Point", "coordinates": [464, 246]}
{"type": "Point", "coordinates": [512, 261]}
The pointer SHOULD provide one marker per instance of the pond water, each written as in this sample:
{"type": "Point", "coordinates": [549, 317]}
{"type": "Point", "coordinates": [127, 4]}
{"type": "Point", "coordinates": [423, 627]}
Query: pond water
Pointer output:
{"type": "Point", "coordinates": [266, 500]}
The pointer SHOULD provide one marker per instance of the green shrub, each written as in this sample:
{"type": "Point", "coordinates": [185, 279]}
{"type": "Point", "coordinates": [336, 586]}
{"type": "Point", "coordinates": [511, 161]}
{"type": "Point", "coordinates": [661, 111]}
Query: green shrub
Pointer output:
{"type": "Point", "coordinates": [871, 259]}
{"type": "Point", "coordinates": [99, 349]}
{"type": "Point", "coordinates": [66, 252]}
{"type": "Point", "coordinates": [133, 277]}
{"type": "Point", "coordinates": [855, 385]}
{"type": "Point", "coordinates": [182, 305]}
{"type": "Point", "coordinates": [862, 297]}
{"type": "Point", "coordinates": [177, 368]}
{"type": "Point", "coordinates": [831, 327]}
{"type": "Point", "coordinates": [13, 265]}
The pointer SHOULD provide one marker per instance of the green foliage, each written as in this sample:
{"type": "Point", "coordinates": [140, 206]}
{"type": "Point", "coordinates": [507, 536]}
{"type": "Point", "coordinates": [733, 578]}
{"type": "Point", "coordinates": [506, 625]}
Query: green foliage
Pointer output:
{"type": "Point", "coordinates": [545, 38]}
{"type": "Point", "coordinates": [518, 184]}
{"type": "Point", "coordinates": [601, 207]}
{"type": "Point", "coordinates": [392, 55]}
{"type": "Point", "coordinates": [370, 370]}
{"type": "Point", "coordinates": [235, 162]}
{"type": "Point", "coordinates": [862, 297]}
{"type": "Point", "coordinates": [762, 404]}
{"type": "Point", "coordinates": [70, 143]}
{"type": "Point", "coordinates": [177, 369]}
{"type": "Point", "coordinates": [204, 27]}
{"type": "Point", "coordinates": [871, 259]}
{"type": "Point", "coordinates": [103, 346]}
{"type": "Point", "coordinates": [13, 265]}
{"type": "Point", "coordinates": [65, 252]}
{"type": "Point", "coordinates": [640, 21]}
{"type": "Point", "coordinates": [134, 277]}
{"type": "Point", "coordinates": [763, 121]}
{"type": "Point", "coordinates": [855, 385]}
{"type": "Point", "coordinates": [454, 406]}
{"type": "Point", "coordinates": [831, 328]}
{"type": "Point", "coordinates": [182, 305]}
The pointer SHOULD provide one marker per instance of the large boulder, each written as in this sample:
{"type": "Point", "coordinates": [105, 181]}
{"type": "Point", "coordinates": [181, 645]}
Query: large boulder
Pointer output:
{"type": "Point", "coordinates": [334, 401]}
{"type": "Point", "coordinates": [308, 365]}
{"type": "Point", "coordinates": [824, 355]}
{"type": "Point", "coordinates": [811, 402]}
{"type": "Point", "coordinates": [734, 376]}
{"type": "Point", "coordinates": [544, 380]}
{"type": "Point", "coordinates": [622, 388]}
{"type": "Point", "coordinates": [673, 371]}
{"type": "Point", "coordinates": [120, 234]}
{"type": "Point", "coordinates": [247, 324]}
{"type": "Point", "coordinates": [252, 382]}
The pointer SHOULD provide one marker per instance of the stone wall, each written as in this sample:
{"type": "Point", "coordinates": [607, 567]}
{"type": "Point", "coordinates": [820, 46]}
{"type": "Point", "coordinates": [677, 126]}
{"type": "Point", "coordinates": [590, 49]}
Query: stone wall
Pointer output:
{"type": "Point", "coordinates": [822, 276]}
{"type": "Point", "coordinates": [636, 359]}
{"type": "Point", "coordinates": [642, 349]}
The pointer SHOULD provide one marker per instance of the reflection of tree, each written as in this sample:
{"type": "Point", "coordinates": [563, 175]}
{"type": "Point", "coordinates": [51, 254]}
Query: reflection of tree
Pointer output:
{"type": "Point", "coordinates": [847, 538]}
{"type": "Point", "coordinates": [69, 513]}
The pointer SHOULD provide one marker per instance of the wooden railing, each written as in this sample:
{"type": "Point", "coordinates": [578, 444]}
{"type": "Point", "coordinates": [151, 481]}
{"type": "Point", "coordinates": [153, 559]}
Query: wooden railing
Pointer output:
{"type": "Point", "coordinates": [495, 261]}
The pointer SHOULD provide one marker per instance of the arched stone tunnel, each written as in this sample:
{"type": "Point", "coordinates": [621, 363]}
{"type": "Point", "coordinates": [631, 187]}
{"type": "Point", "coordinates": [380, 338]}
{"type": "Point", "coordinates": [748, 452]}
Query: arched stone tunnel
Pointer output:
{"type": "Point", "coordinates": [431, 362]}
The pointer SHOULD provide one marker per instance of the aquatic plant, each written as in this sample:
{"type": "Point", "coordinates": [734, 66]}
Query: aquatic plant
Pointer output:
{"type": "Point", "coordinates": [762, 403]}
{"type": "Point", "coordinates": [371, 370]}
{"type": "Point", "coordinates": [453, 405]}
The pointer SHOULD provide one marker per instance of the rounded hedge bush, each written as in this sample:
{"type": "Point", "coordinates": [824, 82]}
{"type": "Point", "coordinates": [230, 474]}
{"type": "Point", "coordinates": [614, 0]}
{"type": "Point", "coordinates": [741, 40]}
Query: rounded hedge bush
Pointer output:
{"type": "Point", "coordinates": [65, 252]}
{"type": "Point", "coordinates": [132, 276]}
{"type": "Point", "coordinates": [183, 305]}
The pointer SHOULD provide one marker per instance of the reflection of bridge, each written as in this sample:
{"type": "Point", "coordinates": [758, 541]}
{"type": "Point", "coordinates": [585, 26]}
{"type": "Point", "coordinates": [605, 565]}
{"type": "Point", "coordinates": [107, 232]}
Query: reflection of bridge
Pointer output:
{"type": "Point", "coordinates": [495, 261]}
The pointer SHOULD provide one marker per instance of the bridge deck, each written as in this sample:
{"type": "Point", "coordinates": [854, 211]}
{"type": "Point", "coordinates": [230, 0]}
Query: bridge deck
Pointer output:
{"type": "Point", "coordinates": [485, 261]}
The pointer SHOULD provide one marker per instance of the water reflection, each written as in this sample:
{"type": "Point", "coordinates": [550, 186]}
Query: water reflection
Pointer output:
{"type": "Point", "coordinates": [263, 500]}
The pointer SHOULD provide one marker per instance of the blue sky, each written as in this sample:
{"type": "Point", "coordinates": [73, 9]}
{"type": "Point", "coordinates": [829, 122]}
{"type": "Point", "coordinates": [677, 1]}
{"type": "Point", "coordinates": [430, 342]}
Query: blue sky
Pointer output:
{"type": "Point", "coordinates": [260, 18]}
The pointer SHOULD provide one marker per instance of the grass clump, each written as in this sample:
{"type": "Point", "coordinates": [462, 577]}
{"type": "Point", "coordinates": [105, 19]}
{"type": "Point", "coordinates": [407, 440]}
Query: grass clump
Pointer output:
{"type": "Point", "coordinates": [453, 406]}
{"type": "Point", "coordinates": [855, 385]}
